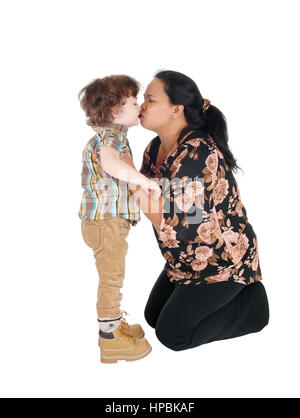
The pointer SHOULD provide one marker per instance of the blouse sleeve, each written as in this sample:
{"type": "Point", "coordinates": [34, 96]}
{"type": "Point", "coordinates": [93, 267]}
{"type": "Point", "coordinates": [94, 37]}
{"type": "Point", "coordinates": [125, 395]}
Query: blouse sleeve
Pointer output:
{"type": "Point", "coordinates": [146, 163]}
{"type": "Point", "coordinates": [188, 204]}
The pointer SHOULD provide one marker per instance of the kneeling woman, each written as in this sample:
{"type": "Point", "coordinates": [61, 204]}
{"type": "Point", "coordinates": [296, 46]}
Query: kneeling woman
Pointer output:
{"type": "Point", "coordinates": [210, 288]}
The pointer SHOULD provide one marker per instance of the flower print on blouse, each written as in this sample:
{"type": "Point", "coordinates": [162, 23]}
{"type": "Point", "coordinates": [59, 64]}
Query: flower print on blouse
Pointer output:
{"type": "Point", "coordinates": [205, 236]}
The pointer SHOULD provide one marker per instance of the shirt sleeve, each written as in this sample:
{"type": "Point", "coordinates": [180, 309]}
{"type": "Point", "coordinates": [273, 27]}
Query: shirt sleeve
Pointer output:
{"type": "Point", "coordinates": [188, 211]}
{"type": "Point", "coordinates": [113, 140]}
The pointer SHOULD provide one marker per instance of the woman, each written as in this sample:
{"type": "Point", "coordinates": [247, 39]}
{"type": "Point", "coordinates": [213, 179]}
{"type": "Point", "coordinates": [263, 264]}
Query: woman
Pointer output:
{"type": "Point", "coordinates": [210, 288]}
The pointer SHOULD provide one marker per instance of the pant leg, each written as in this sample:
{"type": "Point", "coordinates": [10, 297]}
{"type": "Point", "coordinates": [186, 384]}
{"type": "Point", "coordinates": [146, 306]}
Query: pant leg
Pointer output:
{"type": "Point", "coordinates": [246, 314]}
{"type": "Point", "coordinates": [195, 315]}
{"type": "Point", "coordinates": [160, 293]}
{"type": "Point", "coordinates": [107, 238]}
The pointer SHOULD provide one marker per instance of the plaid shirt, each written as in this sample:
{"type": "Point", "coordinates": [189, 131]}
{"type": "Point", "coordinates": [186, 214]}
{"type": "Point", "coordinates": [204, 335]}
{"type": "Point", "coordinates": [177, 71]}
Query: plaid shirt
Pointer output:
{"type": "Point", "coordinates": [105, 196]}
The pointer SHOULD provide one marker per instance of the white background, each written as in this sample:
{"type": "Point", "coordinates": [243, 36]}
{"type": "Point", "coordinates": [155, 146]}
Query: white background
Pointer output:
{"type": "Point", "coordinates": [243, 55]}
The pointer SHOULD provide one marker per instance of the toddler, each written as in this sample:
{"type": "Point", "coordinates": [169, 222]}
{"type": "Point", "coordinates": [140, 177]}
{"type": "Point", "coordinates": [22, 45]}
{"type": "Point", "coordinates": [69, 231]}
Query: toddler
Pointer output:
{"type": "Point", "coordinates": [108, 207]}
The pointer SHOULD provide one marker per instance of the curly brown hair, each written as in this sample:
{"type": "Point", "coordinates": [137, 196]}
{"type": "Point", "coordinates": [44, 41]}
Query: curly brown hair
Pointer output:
{"type": "Point", "coordinates": [100, 96]}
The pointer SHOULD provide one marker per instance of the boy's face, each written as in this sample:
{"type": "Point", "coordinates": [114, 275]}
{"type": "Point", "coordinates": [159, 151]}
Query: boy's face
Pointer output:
{"type": "Point", "coordinates": [127, 114]}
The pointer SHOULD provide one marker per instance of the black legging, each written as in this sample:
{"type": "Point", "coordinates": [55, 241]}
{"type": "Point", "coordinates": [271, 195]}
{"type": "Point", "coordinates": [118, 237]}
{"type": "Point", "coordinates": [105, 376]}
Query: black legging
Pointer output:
{"type": "Point", "coordinates": [188, 316]}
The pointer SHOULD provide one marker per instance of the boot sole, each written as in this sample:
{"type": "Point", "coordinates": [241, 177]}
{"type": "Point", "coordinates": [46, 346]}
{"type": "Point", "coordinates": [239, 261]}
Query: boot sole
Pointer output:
{"type": "Point", "coordinates": [115, 359]}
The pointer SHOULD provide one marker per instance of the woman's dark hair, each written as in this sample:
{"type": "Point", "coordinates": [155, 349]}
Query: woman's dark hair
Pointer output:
{"type": "Point", "coordinates": [182, 90]}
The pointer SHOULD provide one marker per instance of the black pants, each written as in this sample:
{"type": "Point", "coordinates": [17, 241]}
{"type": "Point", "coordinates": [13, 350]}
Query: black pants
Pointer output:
{"type": "Point", "coordinates": [188, 316]}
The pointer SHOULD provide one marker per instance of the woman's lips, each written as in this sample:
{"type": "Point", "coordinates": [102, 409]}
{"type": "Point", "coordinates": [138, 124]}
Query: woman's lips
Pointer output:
{"type": "Point", "coordinates": [140, 116]}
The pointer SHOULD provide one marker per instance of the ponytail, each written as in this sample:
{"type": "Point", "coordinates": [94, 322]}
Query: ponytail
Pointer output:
{"type": "Point", "coordinates": [183, 90]}
{"type": "Point", "coordinates": [215, 125]}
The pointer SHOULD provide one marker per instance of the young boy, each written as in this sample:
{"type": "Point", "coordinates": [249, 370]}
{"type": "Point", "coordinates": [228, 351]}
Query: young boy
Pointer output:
{"type": "Point", "coordinates": [108, 207]}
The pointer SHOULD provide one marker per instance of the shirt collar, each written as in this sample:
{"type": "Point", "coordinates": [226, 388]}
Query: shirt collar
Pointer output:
{"type": "Point", "coordinates": [110, 125]}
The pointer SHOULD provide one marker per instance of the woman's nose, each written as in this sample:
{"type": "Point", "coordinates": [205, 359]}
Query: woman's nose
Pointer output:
{"type": "Point", "coordinates": [143, 106]}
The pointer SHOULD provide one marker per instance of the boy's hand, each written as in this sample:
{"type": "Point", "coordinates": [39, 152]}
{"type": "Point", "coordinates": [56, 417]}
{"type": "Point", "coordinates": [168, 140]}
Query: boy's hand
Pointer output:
{"type": "Point", "coordinates": [150, 187]}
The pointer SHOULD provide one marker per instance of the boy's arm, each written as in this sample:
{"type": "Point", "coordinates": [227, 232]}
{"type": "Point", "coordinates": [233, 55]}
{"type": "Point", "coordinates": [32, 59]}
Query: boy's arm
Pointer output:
{"type": "Point", "coordinates": [128, 160]}
{"type": "Point", "coordinates": [123, 169]}
{"type": "Point", "coordinates": [119, 168]}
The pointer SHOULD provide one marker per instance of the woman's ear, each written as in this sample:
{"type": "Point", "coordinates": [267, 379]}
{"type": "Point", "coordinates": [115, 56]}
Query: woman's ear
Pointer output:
{"type": "Point", "coordinates": [178, 110]}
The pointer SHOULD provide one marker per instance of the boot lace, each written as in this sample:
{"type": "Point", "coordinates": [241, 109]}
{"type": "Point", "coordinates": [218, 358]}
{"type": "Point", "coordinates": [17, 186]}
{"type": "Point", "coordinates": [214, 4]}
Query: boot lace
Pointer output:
{"type": "Point", "coordinates": [123, 331]}
{"type": "Point", "coordinates": [124, 328]}
{"type": "Point", "coordinates": [125, 324]}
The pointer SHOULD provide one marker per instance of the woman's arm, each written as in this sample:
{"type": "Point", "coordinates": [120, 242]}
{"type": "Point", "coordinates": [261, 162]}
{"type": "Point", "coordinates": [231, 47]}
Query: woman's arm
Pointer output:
{"type": "Point", "coordinates": [152, 208]}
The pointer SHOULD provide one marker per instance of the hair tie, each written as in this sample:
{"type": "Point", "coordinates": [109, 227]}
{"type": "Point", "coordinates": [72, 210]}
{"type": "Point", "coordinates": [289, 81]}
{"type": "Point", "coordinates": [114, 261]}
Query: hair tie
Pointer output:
{"type": "Point", "coordinates": [206, 105]}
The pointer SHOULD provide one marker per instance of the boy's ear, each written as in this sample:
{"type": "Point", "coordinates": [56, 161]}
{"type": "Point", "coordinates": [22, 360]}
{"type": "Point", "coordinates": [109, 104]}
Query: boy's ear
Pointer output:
{"type": "Point", "coordinates": [114, 111]}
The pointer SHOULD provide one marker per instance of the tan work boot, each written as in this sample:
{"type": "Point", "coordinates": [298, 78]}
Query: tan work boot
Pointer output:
{"type": "Point", "coordinates": [121, 345]}
{"type": "Point", "coordinates": [135, 330]}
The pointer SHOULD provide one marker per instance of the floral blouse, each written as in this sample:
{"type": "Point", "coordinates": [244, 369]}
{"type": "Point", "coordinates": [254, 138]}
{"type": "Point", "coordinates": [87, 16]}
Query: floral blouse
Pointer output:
{"type": "Point", "coordinates": [205, 236]}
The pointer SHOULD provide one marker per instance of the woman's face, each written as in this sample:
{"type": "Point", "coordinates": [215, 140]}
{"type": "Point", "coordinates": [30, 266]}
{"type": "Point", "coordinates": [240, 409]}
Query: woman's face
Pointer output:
{"type": "Point", "coordinates": [156, 110]}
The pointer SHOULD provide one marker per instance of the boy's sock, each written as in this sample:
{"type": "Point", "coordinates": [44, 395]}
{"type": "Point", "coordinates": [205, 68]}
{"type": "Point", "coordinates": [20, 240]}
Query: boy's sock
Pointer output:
{"type": "Point", "coordinates": [108, 325]}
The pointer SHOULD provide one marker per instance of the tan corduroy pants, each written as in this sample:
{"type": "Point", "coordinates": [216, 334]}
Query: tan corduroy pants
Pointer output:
{"type": "Point", "coordinates": [107, 239]}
